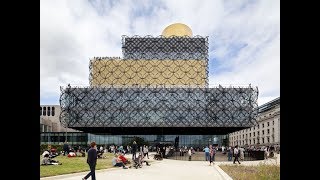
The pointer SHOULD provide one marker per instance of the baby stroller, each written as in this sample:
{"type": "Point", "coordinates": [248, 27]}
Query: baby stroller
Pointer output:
{"type": "Point", "coordinates": [138, 162]}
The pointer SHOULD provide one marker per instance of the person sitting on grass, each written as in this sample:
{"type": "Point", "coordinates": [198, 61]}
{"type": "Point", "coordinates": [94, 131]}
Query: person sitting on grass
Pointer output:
{"type": "Point", "coordinates": [72, 154]}
{"type": "Point", "coordinates": [48, 161]}
{"type": "Point", "coordinates": [116, 162]}
{"type": "Point", "coordinates": [123, 159]}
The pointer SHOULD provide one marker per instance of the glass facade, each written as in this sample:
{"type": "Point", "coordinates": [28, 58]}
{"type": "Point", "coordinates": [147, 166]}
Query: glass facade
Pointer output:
{"type": "Point", "coordinates": [75, 138]}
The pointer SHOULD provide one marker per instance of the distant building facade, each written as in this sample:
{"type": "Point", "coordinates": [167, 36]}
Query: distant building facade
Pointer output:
{"type": "Point", "coordinates": [266, 132]}
{"type": "Point", "coordinates": [51, 130]}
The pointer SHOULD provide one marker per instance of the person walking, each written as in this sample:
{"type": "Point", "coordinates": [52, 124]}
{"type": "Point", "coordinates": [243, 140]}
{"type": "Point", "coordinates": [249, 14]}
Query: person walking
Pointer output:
{"type": "Point", "coordinates": [145, 151]}
{"type": "Point", "coordinates": [212, 152]}
{"type": "Point", "coordinates": [189, 153]}
{"type": "Point", "coordinates": [236, 155]}
{"type": "Point", "coordinates": [206, 151]}
{"type": "Point", "coordinates": [134, 150]}
{"type": "Point", "coordinates": [229, 154]}
{"type": "Point", "coordinates": [92, 161]}
{"type": "Point", "coordinates": [65, 148]}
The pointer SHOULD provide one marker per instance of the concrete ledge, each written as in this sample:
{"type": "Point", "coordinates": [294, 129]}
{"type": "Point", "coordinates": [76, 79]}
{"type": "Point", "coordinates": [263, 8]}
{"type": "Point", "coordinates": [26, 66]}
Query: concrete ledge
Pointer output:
{"type": "Point", "coordinates": [222, 173]}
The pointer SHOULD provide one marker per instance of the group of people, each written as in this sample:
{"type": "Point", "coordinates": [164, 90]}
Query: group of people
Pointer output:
{"type": "Point", "coordinates": [47, 158]}
{"type": "Point", "coordinates": [210, 153]}
{"type": "Point", "coordinates": [118, 160]}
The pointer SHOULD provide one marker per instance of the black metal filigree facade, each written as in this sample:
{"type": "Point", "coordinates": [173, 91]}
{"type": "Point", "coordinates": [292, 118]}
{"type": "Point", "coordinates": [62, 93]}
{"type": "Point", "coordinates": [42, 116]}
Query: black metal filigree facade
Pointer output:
{"type": "Point", "coordinates": [161, 82]}
{"type": "Point", "coordinates": [174, 47]}
{"type": "Point", "coordinates": [158, 107]}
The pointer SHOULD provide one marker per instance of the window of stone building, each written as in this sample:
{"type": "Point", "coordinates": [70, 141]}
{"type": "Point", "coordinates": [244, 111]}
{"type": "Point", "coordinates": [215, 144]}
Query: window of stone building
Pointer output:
{"type": "Point", "coordinates": [258, 126]}
{"type": "Point", "coordinates": [250, 135]}
{"type": "Point", "coordinates": [254, 141]}
{"type": "Point", "coordinates": [250, 141]}
{"type": "Point", "coordinates": [272, 122]}
{"type": "Point", "coordinates": [262, 132]}
{"type": "Point", "coordinates": [52, 110]}
{"type": "Point", "coordinates": [258, 133]}
{"type": "Point", "coordinates": [40, 111]}
{"type": "Point", "coordinates": [242, 142]}
{"type": "Point", "coordinates": [268, 139]}
{"type": "Point", "coordinates": [273, 139]}
{"type": "Point", "coordinates": [246, 135]}
{"type": "Point", "coordinates": [254, 128]}
{"type": "Point", "coordinates": [44, 112]}
{"type": "Point", "coordinates": [262, 140]}
{"type": "Point", "coordinates": [48, 113]}
{"type": "Point", "coordinates": [273, 130]}
{"type": "Point", "coordinates": [243, 136]}
{"type": "Point", "coordinates": [262, 125]}
{"type": "Point", "coordinates": [268, 131]}
{"type": "Point", "coordinates": [268, 124]}
{"type": "Point", "coordinates": [254, 134]}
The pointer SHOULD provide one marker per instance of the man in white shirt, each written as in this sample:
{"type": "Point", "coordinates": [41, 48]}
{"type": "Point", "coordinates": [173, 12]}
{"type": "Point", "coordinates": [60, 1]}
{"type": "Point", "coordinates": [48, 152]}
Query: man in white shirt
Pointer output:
{"type": "Point", "coordinates": [236, 155]}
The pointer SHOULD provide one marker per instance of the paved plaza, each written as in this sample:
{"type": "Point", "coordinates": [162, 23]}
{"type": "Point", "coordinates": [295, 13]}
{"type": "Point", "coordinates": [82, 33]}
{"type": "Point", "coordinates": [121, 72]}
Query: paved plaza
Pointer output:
{"type": "Point", "coordinates": [165, 169]}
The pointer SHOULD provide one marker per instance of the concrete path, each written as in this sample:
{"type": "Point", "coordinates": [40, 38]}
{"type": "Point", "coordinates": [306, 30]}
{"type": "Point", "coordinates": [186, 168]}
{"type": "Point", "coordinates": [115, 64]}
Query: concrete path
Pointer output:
{"type": "Point", "coordinates": [159, 170]}
{"type": "Point", "coordinates": [166, 169]}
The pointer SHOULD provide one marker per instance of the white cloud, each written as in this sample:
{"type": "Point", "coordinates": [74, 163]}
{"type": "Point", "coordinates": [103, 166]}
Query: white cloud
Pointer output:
{"type": "Point", "coordinates": [73, 31]}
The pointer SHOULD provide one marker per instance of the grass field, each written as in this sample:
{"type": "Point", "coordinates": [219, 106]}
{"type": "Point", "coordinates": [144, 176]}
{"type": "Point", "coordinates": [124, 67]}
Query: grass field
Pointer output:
{"type": "Point", "coordinates": [260, 172]}
{"type": "Point", "coordinates": [73, 165]}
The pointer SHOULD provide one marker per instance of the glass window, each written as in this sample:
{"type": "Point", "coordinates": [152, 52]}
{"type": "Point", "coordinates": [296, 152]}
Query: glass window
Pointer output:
{"type": "Point", "coordinates": [268, 131]}
{"type": "Point", "coordinates": [250, 135]}
{"type": "Point", "coordinates": [254, 134]}
{"type": "Point", "coordinates": [258, 133]}
{"type": "Point", "coordinates": [262, 125]}
{"type": "Point", "coordinates": [272, 122]}
{"type": "Point", "coordinates": [48, 113]}
{"type": "Point", "coordinates": [262, 132]}
{"type": "Point", "coordinates": [254, 141]}
{"type": "Point", "coordinates": [273, 130]}
{"type": "Point", "coordinates": [243, 136]}
{"type": "Point", "coordinates": [52, 110]}
{"type": "Point", "coordinates": [40, 111]}
{"type": "Point", "coordinates": [44, 111]}
{"type": "Point", "coordinates": [262, 140]}
{"type": "Point", "coordinates": [250, 141]}
{"type": "Point", "coordinates": [268, 124]}
{"type": "Point", "coordinates": [258, 126]}
{"type": "Point", "coordinates": [254, 128]}
{"type": "Point", "coordinates": [268, 139]}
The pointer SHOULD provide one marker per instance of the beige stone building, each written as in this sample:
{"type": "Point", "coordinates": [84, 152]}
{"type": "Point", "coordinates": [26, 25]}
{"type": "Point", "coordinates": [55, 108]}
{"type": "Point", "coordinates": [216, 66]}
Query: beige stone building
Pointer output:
{"type": "Point", "coordinates": [266, 132]}
{"type": "Point", "coordinates": [49, 119]}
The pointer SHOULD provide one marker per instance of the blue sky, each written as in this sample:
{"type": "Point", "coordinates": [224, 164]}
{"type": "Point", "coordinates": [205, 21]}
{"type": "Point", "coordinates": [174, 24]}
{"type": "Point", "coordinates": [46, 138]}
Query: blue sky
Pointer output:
{"type": "Point", "coordinates": [244, 38]}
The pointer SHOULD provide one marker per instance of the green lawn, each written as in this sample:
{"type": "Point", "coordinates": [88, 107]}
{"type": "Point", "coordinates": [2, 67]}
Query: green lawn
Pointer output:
{"type": "Point", "coordinates": [73, 165]}
{"type": "Point", "coordinates": [261, 172]}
